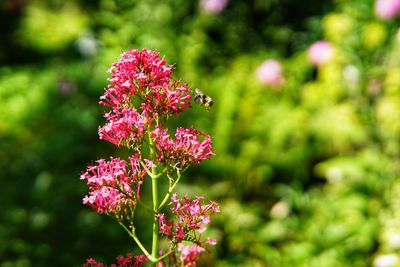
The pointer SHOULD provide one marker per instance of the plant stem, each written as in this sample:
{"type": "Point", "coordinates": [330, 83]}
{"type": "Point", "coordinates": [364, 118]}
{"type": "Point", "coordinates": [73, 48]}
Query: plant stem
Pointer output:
{"type": "Point", "coordinates": [133, 235]}
{"type": "Point", "coordinates": [154, 250]}
{"type": "Point", "coordinates": [171, 188]}
{"type": "Point", "coordinates": [154, 190]}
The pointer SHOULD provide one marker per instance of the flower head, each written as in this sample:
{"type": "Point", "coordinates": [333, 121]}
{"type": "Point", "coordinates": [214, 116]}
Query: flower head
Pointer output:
{"type": "Point", "coordinates": [320, 52]}
{"type": "Point", "coordinates": [192, 218]}
{"type": "Point", "coordinates": [144, 75]}
{"type": "Point", "coordinates": [125, 126]}
{"type": "Point", "coordinates": [112, 186]}
{"type": "Point", "coordinates": [185, 149]}
{"type": "Point", "coordinates": [270, 73]}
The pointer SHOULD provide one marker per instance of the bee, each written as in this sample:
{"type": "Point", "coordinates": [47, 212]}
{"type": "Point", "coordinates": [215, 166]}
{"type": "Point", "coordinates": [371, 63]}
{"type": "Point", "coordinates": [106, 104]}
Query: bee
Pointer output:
{"type": "Point", "coordinates": [203, 99]}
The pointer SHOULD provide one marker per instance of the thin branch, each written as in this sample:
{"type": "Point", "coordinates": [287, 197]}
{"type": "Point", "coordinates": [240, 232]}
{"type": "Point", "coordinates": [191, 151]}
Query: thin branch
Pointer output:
{"type": "Point", "coordinates": [164, 256]}
{"type": "Point", "coordinates": [133, 235]}
{"type": "Point", "coordinates": [171, 188]}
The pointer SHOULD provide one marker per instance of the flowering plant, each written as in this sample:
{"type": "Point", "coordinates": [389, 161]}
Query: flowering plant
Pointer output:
{"type": "Point", "coordinates": [142, 96]}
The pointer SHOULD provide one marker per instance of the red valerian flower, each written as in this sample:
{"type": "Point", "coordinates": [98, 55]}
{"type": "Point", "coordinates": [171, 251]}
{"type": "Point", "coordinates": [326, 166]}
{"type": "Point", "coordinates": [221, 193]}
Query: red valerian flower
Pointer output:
{"type": "Point", "coordinates": [112, 186]}
{"type": "Point", "coordinates": [190, 255]}
{"type": "Point", "coordinates": [192, 218]}
{"type": "Point", "coordinates": [129, 261]}
{"type": "Point", "coordinates": [145, 75]}
{"type": "Point", "coordinates": [185, 150]}
{"type": "Point", "coordinates": [125, 126]}
{"type": "Point", "coordinates": [133, 74]}
{"type": "Point", "coordinates": [169, 99]}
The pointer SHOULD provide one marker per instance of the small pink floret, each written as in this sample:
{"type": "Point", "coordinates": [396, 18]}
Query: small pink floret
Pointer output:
{"type": "Point", "coordinates": [320, 52]}
{"type": "Point", "coordinates": [270, 73]}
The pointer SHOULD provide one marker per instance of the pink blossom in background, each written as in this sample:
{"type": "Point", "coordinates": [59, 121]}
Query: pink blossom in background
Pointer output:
{"type": "Point", "coordinates": [213, 6]}
{"type": "Point", "coordinates": [320, 52]}
{"type": "Point", "coordinates": [270, 73]}
{"type": "Point", "coordinates": [387, 9]}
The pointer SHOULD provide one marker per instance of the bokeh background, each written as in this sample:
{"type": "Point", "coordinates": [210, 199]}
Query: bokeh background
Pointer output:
{"type": "Point", "coordinates": [307, 140]}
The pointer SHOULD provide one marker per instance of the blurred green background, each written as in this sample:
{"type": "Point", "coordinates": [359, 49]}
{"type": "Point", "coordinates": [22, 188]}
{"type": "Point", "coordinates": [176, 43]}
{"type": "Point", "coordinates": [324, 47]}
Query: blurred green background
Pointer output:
{"type": "Point", "coordinates": [306, 172]}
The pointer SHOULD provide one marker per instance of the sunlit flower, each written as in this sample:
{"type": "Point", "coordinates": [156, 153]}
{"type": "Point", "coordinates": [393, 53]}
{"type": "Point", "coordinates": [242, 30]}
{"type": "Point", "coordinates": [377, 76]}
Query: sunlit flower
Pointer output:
{"type": "Point", "coordinates": [146, 76]}
{"type": "Point", "coordinates": [125, 126]}
{"type": "Point", "coordinates": [320, 52]}
{"type": "Point", "coordinates": [270, 73]}
{"type": "Point", "coordinates": [185, 149]}
{"type": "Point", "coordinates": [213, 6]}
{"type": "Point", "coordinates": [387, 9]}
{"type": "Point", "coordinates": [192, 218]}
{"type": "Point", "coordinates": [112, 186]}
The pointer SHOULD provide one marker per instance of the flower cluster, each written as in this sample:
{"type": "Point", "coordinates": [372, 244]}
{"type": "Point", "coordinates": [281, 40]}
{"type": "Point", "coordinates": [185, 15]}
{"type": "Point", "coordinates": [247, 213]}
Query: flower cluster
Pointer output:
{"type": "Point", "coordinates": [146, 76]}
{"type": "Point", "coordinates": [112, 186]}
{"type": "Point", "coordinates": [192, 218]}
{"type": "Point", "coordinates": [184, 150]}
{"type": "Point", "coordinates": [128, 261]}
{"type": "Point", "coordinates": [141, 96]}
{"type": "Point", "coordinates": [125, 126]}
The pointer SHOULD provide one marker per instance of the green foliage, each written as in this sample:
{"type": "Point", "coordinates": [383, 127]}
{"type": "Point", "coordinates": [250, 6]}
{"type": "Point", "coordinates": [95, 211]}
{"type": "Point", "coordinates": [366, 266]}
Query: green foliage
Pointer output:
{"type": "Point", "coordinates": [307, 174]}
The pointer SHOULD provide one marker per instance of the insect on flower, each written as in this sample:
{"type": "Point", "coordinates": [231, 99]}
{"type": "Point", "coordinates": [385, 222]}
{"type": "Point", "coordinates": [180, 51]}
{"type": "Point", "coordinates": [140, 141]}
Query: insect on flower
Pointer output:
{"type": "Point", "coordinates": [203, 99]}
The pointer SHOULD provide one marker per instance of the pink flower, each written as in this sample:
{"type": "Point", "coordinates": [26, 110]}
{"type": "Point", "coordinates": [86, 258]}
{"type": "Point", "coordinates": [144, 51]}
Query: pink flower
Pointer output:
{"type": "Point", "coordinates": [185, 150]}
{"type": "Point", "coordinates": [270, 73]}
{"type": "Point", "coordinates": [192, 217]}
{"type": "Point", "coordinates": [121, 261]}
{"type": "Point", "coordinates": [168, 99]}
{"type": "Point", "coordinates": [125, 126]}
{"type": "Point", "coordinates": [105, 199]}
{"type": "Point", "coordinates": [92, 263]}
{"type": "Point", "coordinates": [112, 186]}
{"type": "Point", "coordinates": [387, 9]}
{"type": "Point", "coordinates": [190, 255]}
{"type": "Point", "coordinates": [144, 75]}
{"type": "Point", "coordinates": [320, 52]}
{"type": "Point", "coordinates": [213, 6]}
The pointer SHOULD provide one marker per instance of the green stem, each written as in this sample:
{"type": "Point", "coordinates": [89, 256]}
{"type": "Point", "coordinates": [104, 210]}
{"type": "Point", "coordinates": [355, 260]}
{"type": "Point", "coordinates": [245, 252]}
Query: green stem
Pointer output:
{"type": "Point", "coordinates": [164, 256]}
{"type": "Point", "coordinates": [134, 236]}
{"type": "Point", "coordinates": [171, 188]}
{"type": "Point", "coordinates": [154, 190]}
